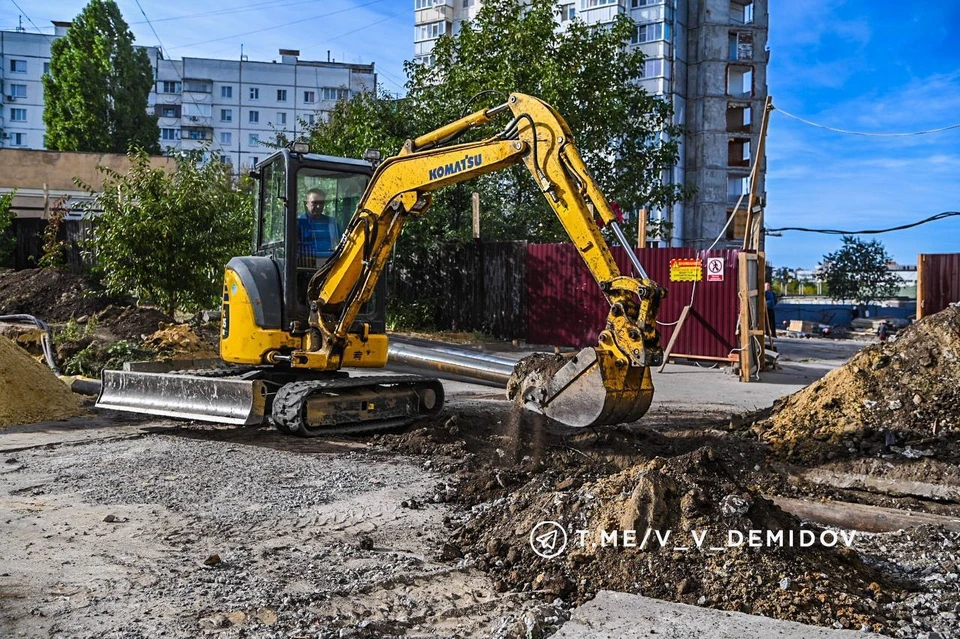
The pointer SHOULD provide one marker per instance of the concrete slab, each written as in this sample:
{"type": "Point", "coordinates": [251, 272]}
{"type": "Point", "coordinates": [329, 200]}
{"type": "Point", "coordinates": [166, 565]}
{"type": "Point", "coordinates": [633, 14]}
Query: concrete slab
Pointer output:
{"type": "Point", "coordinates": [615, 615]}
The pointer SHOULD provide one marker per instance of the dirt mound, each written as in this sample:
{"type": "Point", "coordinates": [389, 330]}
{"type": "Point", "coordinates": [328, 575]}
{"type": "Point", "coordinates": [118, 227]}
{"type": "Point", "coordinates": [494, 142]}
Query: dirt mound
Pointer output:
{"type": "Point", "coordinates": [131, 322]}
{"type": "Point", "coordinates": [178, 339]}
{"type": "Point", "coordinates": [30, 391]}
{"type": "Point", "coordinates": [901, 395]}
{"type": "Point", "coordinates": [50, 294]}
{"type": "Point", "coordinates": [689, 497]}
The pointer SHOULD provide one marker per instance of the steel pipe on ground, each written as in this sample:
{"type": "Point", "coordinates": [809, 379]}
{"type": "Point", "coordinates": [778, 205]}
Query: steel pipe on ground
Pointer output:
{"type": "Point", "coordinates": [448, 362]}
{"type": "Point", "coordinates": [452, 350]}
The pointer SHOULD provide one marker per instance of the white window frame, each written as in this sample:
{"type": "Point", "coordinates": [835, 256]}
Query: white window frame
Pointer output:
{"type": "Point", "coordinates": [226, 91]}
{"type": "Point", "coordinates": [253, 117]}
{"type": "Point", "coordinates": [18, 91]}
{"type": "Point", "coordinates": [281, 117]}
{"type": "Point", "coordinates": [226, 137]}
{"type": "Point", "coordinates": [18, 66]}
{"type": "Point", "coordinates": [254, 93]}
{"type": "Point", "coordinates": [281, 95]}
{"type": "Point", "coordinates": [16, 111]}
{"type": "Point", "coordinates": [309, 97]}
{"type": "Point", "coordinates": [253, 139]}
{"type": "Point", "coordinates": [226, 115]}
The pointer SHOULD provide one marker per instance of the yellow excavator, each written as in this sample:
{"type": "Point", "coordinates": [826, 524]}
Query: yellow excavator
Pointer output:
{"type": "Point", "coordinates": [294, 316]}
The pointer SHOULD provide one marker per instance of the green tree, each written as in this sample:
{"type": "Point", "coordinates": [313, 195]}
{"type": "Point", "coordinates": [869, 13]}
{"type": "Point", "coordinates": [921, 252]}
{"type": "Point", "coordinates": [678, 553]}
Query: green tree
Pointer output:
{"type": "Point", "coordinates": [95, 96]}
{"type": "Point", "coordinates": [8, 240]}
{"type": "Point", "coordinates": [858, 271]}
{"type": "Point", "coordinates": [167, 237]}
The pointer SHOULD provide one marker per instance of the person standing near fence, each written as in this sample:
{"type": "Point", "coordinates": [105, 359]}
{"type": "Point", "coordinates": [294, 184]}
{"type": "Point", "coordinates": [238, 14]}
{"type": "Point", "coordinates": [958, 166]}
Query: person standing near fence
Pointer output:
{"type": "Point", "coordinates": [771, 301]}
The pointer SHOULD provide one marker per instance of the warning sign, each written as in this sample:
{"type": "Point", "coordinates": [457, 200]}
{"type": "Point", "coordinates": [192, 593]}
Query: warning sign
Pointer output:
{"type": "Point", "coordinates": [686, 270]}
{"type": "Point", "coordinates": [714, 269]}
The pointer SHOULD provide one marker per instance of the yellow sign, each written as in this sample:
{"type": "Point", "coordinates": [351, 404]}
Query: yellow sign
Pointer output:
{"type": "Point", "coordinates": [686, 270]}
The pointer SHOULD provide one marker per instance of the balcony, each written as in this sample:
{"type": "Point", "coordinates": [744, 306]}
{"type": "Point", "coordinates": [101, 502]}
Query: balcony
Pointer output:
{"type": "Point", "coordinates": [204, 121]}
{"type": "Point", "coordinates": [738, 152]}
{"type": "Point", "coordinates": [739, 118]}
{"type": "Point", "coordinates": [741, 47]}
{"type": "Point", "coordinates": [741, 12]}
{"type": "Point", "coordinates": [439, 12]}
{"type": "Point", "coordinates": [740, 81]}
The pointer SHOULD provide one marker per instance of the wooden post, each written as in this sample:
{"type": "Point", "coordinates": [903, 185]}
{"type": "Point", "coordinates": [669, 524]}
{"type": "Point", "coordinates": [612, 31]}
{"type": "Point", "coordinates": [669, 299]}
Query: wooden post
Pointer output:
{"type": "Point", "coordinates": [921, 276]}
{"type": "Point", "coordinates": [476, 215]}
{"type": "Point", "coordinates": [751, 237]}
{"type": "Point", "coordinates": [642, 229]}
{"type": "Point", "coordinates": [46, 202]}
{"type": "Point", "coordinates": [746, 351]}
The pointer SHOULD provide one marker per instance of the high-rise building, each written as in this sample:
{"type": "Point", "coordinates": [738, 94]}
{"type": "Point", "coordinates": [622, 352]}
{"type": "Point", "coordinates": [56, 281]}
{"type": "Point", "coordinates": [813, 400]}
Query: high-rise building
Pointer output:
{"type": "Point", "coordinates": [708, 58]}
{"type": "Point", "coordinates": [231, 107]}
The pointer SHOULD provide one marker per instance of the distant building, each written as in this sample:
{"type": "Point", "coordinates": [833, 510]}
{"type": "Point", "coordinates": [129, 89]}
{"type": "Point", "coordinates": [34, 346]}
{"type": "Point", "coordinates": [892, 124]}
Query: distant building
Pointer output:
{"type": "Point", "coordinates": [709, 59]}
{"type": "Point", "coordinates": [230, 105]}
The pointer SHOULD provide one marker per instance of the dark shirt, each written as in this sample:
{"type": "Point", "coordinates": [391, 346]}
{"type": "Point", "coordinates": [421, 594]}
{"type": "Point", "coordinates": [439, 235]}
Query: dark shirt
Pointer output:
{"type": "Point", "coordinates": [318, 236]}
{"type": "Point", "coordinates": [771, 298]}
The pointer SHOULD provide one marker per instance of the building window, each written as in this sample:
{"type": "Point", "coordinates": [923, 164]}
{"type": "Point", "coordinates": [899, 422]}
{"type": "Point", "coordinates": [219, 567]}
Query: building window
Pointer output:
{"type": "Point", "coordinates": [424, 4]}
{"type": "Point", "coordinates": [335, 94]}
{"type": "Point", "coordinates": [311, 118]}
{"type": "Point", "coordinates": [650, 32]}
{"type": "Point", "coordinates": [168, 112]}
{"type": "Point", "coordinates": [226, 138]}
{"type": "Point", "coordinates": [254, 93]}
{"type": "Point", "coordinates": [636, 4]}
{"type": "Point", "coordinates": [738, 152]}
{"type": "Point", "coordinates": [226, 115]}
{"type": "Point", "coordinates": [18, 115]}
{"type": "Point", "coordinates": [426, 60]}
{"type": "Point", "coordinates": [196, 86]}
{"type": "Point", "coordinates": [281, 117]}
{"type": "Point", "coordinates": [254, 117]}
{"type": "Point", "coordinates": [741, 11]}
{"type": "Point", "coordinates": [309, 97]}
{"type": "Point", "coordinates": [197, 134]}
{"type": "Point", "coordinates": [18, 139]}
{"type": "Point", "coordinates": [739, 118]}
{"type": "Point", "coordinates": [46, 68]}
{"type": "Point", "coordinates": [281, 95]}
{"type": "Point", "coordinates": [195, 110]}
{"type": "Point", "coordinates": [226, 91]}
{"type": "Point", "coordinates": [254, 160]}
{"type": "Point", "coordinates": [739, 81]}
{"type": "Point", "coordinates": [254, 139]}
{"type": "Point", "coordinates": [653, 67]}
{"type": "Point", "coordinates": [590, 4]}
{"type": "Point", "coordinates": [168, 86]}
{"type": "Point", "coordinates": [737, 186]}
{"type": "Point", "coordinates": [431, 30]}
{"type": "Point", "coordinates": [18, 90]}
{"type": "Point", "coordinates": [467, 4]}
{"type": "Point", "coordinates": [18, 66]}
{"type": "Point", "coordinates": [741, 46]}
{"type": "Point", "coordinates": [169, 134]}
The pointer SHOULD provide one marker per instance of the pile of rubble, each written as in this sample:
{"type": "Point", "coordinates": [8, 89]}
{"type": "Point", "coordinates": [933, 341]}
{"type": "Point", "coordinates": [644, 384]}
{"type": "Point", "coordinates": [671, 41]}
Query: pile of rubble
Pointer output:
{"type": "Point", "coordinates": [902, 395]}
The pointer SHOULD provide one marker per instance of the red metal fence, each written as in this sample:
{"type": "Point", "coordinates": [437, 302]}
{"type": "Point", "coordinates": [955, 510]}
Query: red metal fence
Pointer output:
{"type": "Point", "coordinates": [938, 282]}
{"type": "Point", "coordinates": [566, 308]}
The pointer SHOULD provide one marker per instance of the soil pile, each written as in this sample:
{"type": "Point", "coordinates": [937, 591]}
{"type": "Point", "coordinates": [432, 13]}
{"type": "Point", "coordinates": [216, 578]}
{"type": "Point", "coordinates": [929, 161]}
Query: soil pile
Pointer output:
{"type": "Point", "coordinates": [178, 339]}
{"type": "Point", "coordinates": [688, 497]}
{"type": "Point", "coordinates": [50, 294]}
{"type": "Point", "coordinates": [29, 391]}
{"type": "Point", "coordinates": [132, 323]}
{"type": "Point", "coordinates": [900, 395]}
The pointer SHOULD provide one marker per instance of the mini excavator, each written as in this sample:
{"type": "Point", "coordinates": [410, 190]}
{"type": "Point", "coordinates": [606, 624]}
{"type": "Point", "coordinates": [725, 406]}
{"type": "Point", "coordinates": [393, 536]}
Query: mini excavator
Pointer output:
{"type": "Point", "coordinates": [292, 317]}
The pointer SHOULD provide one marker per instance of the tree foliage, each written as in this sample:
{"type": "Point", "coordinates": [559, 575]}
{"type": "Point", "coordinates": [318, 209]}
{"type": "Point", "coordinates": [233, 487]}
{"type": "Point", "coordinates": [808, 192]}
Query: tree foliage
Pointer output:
{"type": "Point", "coordinates": [586, 73]}
{"type": "Point", "coordinates": [858, 271]}
{"type": "Point", "coordinates": [95, 96]}
{"type": "Point", "coordinates": [167, 237]}
{"type": "Point", "coordinates": [8, 241]}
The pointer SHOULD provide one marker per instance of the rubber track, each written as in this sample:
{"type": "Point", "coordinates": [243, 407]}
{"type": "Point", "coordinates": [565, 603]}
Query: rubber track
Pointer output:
{"type": "Point", "coordinates": [289, 401]}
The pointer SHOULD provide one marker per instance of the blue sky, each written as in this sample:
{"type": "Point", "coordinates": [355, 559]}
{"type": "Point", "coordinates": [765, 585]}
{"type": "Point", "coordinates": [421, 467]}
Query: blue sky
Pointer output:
{"type": "Point", "coordinates": [865, 65]}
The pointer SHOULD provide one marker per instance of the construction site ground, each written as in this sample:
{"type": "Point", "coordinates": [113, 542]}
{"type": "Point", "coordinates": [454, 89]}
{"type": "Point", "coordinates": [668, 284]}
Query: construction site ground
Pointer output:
{"type": "Point", "coordinates": [120, 526]}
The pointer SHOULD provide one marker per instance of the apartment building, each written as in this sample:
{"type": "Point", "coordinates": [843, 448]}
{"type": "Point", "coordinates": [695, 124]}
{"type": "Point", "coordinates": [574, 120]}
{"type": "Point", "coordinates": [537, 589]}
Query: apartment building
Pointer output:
{"type": "Point", "coordinates": [234, 107]}
{"type": "Point", "coordinates": [231, 107]}
{"type": "Point", "coordinates": [708, 58]}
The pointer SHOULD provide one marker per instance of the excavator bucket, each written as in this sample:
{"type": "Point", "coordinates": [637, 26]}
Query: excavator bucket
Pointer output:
{"type": "Point", "coordinates": [209, 399]}
{"type": "Point", "coordinates": [587, 389]}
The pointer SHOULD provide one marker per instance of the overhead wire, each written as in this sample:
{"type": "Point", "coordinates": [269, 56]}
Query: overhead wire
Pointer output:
{"type": "Point", "coordinates": [902, 227]}
{"type": "Point", "coordinates": [868, 133]}
{"type": "Point", "coordinates": [286, 24]}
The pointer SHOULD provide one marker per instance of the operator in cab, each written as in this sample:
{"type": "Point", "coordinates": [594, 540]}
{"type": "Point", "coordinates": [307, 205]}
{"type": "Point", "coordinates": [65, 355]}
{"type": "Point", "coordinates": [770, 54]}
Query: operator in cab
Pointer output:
{"type": "Point", "coordinates": [318, 233]}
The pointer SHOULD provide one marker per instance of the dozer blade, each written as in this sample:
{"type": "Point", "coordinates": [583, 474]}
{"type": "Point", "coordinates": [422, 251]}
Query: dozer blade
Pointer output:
{"type": "Point", "coordinates": [589, 390]}
{"type": "Point", "coordinates": [209, 399]}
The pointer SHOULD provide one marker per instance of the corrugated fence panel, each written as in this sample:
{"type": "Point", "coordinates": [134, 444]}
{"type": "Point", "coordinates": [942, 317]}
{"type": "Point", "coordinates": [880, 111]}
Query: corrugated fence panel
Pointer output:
{"type": "Point", "coordinates": [566, 308]}
{"type": "Point", "coordinates": [504, 289]}
{"type": "Point", "coordinates": [939, 285]}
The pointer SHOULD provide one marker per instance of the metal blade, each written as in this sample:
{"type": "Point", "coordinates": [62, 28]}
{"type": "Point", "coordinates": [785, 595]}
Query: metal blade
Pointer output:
{"type": "Point", "coordinates": [220, 400]}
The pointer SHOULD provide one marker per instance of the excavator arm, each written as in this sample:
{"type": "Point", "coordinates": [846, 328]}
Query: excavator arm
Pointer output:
{"type": "Point", "coordinates": [608, 383]}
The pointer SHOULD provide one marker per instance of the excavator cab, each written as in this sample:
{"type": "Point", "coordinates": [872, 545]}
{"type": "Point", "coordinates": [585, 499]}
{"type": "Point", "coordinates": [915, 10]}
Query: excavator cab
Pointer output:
{"type": "Point", "coordinates": [304, 203]}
